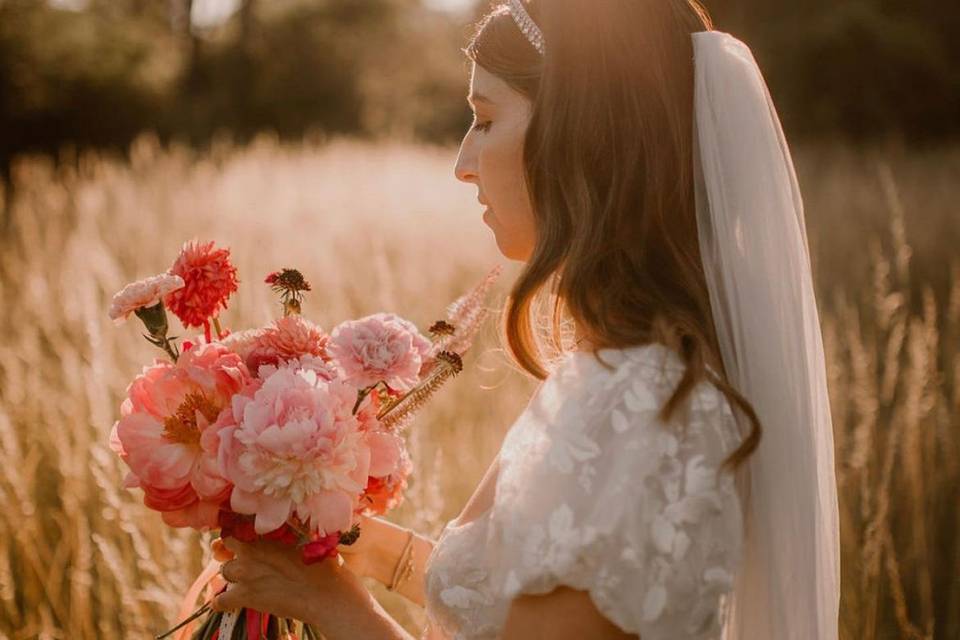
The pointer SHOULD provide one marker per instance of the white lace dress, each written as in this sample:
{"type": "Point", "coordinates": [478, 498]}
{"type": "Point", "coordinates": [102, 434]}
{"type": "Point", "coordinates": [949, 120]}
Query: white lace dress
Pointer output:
{"type": "Point", "coordinates": [595, 493]}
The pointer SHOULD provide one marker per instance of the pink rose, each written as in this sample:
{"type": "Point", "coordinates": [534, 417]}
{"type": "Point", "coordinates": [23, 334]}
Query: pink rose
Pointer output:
{"type": "Point", "coordinates": [379, 347]}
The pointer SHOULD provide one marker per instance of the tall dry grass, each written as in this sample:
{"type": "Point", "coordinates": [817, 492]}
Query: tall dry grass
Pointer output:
{"type": "Point", "coordinates": [388, 227]}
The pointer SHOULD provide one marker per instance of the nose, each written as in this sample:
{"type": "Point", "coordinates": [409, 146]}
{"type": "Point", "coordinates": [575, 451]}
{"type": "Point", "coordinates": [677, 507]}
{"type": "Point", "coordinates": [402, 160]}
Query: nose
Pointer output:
{"type": "Point", "coordinates": [466, 167]}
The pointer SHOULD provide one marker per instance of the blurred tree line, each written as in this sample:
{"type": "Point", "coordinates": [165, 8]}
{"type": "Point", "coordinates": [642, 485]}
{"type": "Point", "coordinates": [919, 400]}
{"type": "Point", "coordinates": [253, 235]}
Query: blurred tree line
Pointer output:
{"type": "Point", "coordinates": [97, 72]}
{"type": "Point", "coordinates": [859, 68]}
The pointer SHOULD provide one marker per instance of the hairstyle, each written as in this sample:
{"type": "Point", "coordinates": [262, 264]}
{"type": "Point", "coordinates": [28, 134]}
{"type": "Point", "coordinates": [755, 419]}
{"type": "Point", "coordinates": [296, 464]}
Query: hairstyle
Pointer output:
{"type": "Point", "coordinates": [608, 161]}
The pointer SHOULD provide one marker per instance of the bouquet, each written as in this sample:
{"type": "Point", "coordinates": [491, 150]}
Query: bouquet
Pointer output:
{"type": "Point", "coordinates": [284, 432]}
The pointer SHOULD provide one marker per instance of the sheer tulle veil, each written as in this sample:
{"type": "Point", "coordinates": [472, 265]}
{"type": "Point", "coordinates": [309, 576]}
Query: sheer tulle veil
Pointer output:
{"type": "Point", "coordinates": [754, 247]}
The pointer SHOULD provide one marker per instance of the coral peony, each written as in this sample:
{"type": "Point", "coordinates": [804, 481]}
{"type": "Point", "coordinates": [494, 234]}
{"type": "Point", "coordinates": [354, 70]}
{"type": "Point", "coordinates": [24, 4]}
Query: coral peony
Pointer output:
{"type": "Point", "coordinates": [142, 293]}
{"type": "Point", "coordinates": [382, 346]}
{"type": "Point", "coordinates": [386, 493]}
{"type": "Point", "coordinates": [209, 280]}
{"type": "Point", "coordinates": [287, 338]}
{"type": "Point", "coordinates": [291, 446]}
{"type": "Point", "coordinates": [164, 433]}
{"type": "Point", "coordinates": [243, 343]}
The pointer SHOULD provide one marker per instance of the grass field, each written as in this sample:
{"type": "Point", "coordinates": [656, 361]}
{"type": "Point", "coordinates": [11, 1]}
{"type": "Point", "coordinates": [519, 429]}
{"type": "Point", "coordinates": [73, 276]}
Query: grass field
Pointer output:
{"type": "Point", "coordinates": [387, 226]}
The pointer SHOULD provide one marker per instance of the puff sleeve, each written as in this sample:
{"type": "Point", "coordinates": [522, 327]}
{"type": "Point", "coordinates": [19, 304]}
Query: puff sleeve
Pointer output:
{"type": "Point", "coordinates": [599, 495]}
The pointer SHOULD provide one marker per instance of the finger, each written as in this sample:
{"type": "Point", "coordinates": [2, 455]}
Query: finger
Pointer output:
{"type": "Point", "coordinates": [237, 547]}
{"type": "Point", "coordinates": [232, 544]}
{"type": "Point", "coordinates": [216, 584]}
{"type": "Point", "coordinates": [233, 570]}
{"type": "Point", "coordinates": [233, 598]}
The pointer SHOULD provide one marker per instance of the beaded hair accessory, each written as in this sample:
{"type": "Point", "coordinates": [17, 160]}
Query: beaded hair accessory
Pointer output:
{"type": "Point", "coordinates": [526, 24]}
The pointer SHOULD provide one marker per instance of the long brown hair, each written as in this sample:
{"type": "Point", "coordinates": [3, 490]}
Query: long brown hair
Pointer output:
{"type": "Point", "coordinates": [608, 161]}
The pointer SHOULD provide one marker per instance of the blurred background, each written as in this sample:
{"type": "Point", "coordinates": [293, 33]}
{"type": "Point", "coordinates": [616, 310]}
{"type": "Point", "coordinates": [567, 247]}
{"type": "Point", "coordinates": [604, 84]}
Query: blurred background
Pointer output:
{"type": "Point", "coordinates": [322, 134]}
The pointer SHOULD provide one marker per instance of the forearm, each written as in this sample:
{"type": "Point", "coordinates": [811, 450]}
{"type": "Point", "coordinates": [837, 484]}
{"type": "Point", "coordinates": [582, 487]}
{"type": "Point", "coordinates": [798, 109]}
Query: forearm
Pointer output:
{"type": "Point", "coordinates": [391, 539]}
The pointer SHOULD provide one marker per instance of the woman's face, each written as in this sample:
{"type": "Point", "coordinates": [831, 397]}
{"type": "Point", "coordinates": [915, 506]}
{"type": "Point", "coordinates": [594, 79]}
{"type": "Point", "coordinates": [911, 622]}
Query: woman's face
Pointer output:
{"type": "Point", "coordinates": [491, 157]}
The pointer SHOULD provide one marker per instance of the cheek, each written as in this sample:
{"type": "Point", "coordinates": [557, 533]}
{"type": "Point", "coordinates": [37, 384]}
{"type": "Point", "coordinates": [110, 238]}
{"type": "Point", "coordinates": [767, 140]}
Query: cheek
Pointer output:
{"type": "Point", "coordinates": [501, 176]}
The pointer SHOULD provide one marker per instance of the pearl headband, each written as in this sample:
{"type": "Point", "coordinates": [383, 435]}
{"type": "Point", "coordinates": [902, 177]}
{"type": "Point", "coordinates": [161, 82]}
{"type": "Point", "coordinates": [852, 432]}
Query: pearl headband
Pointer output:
{"type": "Point", "coordinates": [526, 24]}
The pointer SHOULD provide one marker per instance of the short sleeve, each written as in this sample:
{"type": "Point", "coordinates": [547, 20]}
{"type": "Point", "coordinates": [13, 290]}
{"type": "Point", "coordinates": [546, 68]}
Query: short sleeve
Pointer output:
{"type": "Point", "coordinates": [600, 495]}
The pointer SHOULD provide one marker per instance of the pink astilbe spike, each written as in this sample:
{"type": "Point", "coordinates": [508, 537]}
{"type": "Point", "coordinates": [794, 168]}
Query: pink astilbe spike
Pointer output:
{"type": "Point", "coordinates": [466, 315]}
{"type": "Point", "coordinates": [397, 414]}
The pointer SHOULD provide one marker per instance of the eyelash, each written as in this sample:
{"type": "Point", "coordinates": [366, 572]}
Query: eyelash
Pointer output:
{"type": "Point", "coordinates": [482, 126]}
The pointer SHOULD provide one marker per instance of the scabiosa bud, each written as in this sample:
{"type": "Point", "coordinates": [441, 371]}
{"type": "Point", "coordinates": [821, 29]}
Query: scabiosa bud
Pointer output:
{"type": "Point", "coordinates": [290, 284]}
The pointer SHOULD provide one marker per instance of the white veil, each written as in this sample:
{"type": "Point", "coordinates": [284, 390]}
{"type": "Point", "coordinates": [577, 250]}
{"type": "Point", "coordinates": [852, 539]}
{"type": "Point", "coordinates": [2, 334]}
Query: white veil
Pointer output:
{"type": "Point", "coordinates": [754, 247]}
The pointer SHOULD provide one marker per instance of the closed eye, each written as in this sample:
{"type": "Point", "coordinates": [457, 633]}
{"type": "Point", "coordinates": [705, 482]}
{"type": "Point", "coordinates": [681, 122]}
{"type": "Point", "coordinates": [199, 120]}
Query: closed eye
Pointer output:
{"type": "Point", "coordinates": [482, 126]}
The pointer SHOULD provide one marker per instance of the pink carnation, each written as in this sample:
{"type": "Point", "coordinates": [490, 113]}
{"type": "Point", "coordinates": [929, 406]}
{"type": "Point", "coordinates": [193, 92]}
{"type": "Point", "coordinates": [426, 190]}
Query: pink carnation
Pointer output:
{"type": "Point", "coordinates": [382, 346]}
{"type": "Point", "coordinates": [291, 446]}
{"type": "Point", "coordinates": [209, 279]}
{"type": "Point", "coordinates": [164, 437]}
{"type": "Point", "coordinates": [142, 293]}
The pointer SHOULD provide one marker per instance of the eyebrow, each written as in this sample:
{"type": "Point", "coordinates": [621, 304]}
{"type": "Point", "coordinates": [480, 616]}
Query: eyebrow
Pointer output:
{"type": "Point", "coordinates": [479, 97]}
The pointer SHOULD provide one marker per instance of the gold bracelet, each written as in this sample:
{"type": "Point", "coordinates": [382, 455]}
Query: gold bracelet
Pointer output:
{"type": "Point", "coordinates": [404, 567]}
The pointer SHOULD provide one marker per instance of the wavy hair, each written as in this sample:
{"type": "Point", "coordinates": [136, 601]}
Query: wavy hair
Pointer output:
{"type": "Point", "coordinates": [608, 162]}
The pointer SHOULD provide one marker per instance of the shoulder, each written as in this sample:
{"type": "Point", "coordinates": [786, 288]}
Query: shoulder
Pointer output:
{"type": "Point", "coordinates": [595, 429]}
{"type": "Point", "coordinates": [622, 392]}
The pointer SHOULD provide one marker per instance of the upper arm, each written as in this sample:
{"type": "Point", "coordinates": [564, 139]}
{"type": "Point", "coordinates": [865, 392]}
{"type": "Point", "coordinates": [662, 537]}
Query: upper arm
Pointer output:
{"type": "Point", "coordinates": [561, 614]}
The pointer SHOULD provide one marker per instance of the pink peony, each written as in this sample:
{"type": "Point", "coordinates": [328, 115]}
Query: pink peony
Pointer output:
{"type": "Point", "coordinates": [163, 434]}
{"type": "Point", "coordinates": [142, 293]}
{"type": "Point", "coordinates": [379, 347]}
{"type": "Point", "coordinates": [291, 446]}
{"type": "Point", "coordinates": [209, 279]}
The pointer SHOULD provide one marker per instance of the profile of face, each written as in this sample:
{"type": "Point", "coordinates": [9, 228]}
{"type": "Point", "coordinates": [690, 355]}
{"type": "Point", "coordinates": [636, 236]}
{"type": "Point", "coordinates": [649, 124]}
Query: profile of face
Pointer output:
{"type": "Point", "coordinates": [491, 157]}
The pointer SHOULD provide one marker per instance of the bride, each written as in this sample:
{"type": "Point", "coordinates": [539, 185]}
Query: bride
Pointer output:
{"type": "Point", "coordinates": [672, 475]}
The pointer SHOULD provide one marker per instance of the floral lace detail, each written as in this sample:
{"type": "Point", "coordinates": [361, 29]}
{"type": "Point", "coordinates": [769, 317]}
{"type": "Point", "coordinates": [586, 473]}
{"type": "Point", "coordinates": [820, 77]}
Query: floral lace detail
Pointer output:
{"type": "Point", "coordinates": [596, 493]}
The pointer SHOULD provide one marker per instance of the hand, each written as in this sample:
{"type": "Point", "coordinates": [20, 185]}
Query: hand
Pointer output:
{"type": "Point", "coordinates": [356, 556]}
{"type": "Point", "coordinates": [269, 576]}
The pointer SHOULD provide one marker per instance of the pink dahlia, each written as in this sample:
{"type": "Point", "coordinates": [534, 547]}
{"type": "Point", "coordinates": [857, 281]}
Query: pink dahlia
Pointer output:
{"type": "Point", "coordinates": [292, 447]}
{"type": "Point", "coordinates": [164, 433]}
{"type": "Point", "coordinates": [382, 346]}
{"type": "Point", "coordinates": [209, 279]}
{"type": "Point", "coordinates": [142, 293]}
